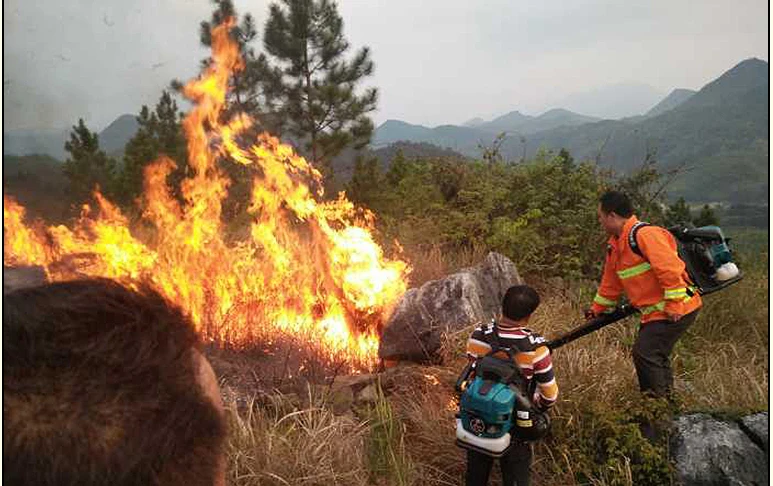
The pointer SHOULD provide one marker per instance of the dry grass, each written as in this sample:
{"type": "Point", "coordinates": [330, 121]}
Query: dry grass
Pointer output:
{"type": "Point", "coordinates": [425, 403]}
{"type": "Point", "coordinates": [407, 436]}
{"type": "Point", "coordinates": [433, 263]}
{"type": "Point", "coordinates": [723, 360]}
{"type": "Point", "coordinates": [280, 443]}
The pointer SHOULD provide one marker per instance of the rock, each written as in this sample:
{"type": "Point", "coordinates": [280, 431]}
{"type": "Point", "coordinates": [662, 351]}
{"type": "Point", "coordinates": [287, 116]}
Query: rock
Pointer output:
{"type": "Point", "coordinates": [711, 452]}
{"type": "Point", "coordinates": [468, 297]}
{"type": "Point", "coordinates": [353, 382]}
{"type": "Point", "coordinates": [345, 390]}
{"type": "Point", "coordinates": [15, 278]}
{"type": "Point", "coordinates": [756, 427]}
{"type": "Point", "coordinates": [494, 276]}
{"type": "Point", "coordinates": [369, 394]}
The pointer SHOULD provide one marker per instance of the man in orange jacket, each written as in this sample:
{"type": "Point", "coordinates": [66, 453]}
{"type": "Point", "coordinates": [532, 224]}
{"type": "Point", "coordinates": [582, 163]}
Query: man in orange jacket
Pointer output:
{"type": "Point", "coordinates": [656, 283]}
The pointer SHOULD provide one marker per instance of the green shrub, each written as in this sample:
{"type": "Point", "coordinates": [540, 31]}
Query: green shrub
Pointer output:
{"type": "Point", "coordinates": [540, 213]}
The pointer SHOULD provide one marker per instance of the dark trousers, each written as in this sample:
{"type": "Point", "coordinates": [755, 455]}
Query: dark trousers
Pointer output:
{"type": "Point", "coordinates": [514, 464]}
{"type": "Point", "coordinates": [652, 353]}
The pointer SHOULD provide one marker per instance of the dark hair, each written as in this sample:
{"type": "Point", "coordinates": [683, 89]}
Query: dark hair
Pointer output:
{"type": "Point", "coordinates": [100, 387]}
{"type": "Point", "coordinates": [617, 202]}
{"type": "Point", "coordinates": [519, 301]}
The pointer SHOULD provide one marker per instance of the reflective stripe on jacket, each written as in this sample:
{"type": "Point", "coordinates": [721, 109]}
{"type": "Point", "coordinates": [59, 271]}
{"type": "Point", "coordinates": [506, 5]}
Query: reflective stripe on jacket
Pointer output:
{"type": "Point", "coordinates": [655, 284]}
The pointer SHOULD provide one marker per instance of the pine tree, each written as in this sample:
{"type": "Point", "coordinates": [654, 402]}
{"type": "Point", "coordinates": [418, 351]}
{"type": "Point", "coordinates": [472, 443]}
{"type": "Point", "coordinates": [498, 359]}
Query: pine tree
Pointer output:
{"type": "Point", "coordinates": [707, 217]}
{"type": "Point", "coordinates": [678, 213]}
{"type": "Point", "coordinates": [398, 169]}
{"type": "Point", "coordinates": [366, 183]}
{"type": "Point", "coordinates": [305, 39]}
{"type": "Point", "coordinates": [255, 88]}
{"type": "Point", "coordinates": [566, 160]}
{"type": "Point", "coordinates": [87, 167]}
{"type": "Point", "coordinates": [159, 133]}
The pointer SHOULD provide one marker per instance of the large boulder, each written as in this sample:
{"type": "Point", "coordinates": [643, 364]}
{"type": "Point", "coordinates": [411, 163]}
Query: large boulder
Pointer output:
{"type": "Point", "coordinates": [712, 452]}
{"type": "Point", "coordinates": [756, 427]}
{"type": "Point", "coordinates": [467, 297]}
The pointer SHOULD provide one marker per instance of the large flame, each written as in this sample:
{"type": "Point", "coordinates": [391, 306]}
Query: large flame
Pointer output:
{"type": "Point", "coordinates": [309, 269]}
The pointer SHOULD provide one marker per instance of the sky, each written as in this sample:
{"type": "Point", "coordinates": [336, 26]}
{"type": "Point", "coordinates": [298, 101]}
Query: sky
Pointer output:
{"type": "Point", "coordinates": [436, 61]}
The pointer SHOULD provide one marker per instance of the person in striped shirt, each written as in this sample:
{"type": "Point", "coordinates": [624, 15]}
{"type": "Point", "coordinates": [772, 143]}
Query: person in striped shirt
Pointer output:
{"type": "Point", "coordinates": [533, 358]}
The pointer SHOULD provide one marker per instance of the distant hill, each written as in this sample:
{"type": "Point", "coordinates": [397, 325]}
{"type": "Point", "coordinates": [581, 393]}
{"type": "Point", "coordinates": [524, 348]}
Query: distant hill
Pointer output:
{"type": "Point", "coordinates": [397, 130]}
{"type": "Point", "coordinates": [721, 132]}
{"type": "Point", "coordinates": [474, 122]}
{"type": "Point", "coordinates": [613, 102]}
{"type": "Point", "coordinates": [466, 139]}
{"type": "Point", "coordinates": [674, 99]}
{"type": "Point", "coordinates": [734, 85]}
{"type": "Point", "coordinates": [509, 121]}
{"type": "Point", "coordinates": [457, 138]}
{"type": "Point", "coordinates": [51, 142]}
{"type": "Point", "coordinates": [518, 123]}
{"type": "Point", "coordinates": [413, 150]}
{"type": "Point", "coordinates": [115, 136]}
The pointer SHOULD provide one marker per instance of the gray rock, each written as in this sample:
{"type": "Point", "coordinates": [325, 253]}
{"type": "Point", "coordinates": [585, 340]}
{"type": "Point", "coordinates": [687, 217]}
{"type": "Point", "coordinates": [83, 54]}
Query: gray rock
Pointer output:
{"type": "Point", "coordinates": [353, 382]}
{"type": "Point", "coordinates": [15, 278]}
{"type": "Point", "coordinates": [494, 275]}
{"type": "Point", "coordinates": [369, 394]}
{"type": "Point", "coordinates": [470, 296]}
{"type": "Point", "coordinates": [710, 452]}
{"type": "Point", "coordinates": [756, 427]}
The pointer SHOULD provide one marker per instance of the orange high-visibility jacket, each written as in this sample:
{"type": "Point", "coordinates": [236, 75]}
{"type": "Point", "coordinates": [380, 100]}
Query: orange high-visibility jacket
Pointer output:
{"type": "Point", "coordinates": [654, 284]}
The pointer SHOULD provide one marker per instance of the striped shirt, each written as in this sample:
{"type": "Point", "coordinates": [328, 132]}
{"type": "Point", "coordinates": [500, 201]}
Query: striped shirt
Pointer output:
{"type": "Point", "coordinates": [530, 354]}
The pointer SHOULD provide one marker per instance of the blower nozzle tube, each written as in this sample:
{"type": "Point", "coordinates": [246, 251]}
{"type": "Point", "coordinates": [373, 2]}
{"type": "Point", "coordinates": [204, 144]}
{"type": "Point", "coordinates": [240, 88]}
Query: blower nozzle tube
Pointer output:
{"type": "Point", "coordinates": [592, 325]}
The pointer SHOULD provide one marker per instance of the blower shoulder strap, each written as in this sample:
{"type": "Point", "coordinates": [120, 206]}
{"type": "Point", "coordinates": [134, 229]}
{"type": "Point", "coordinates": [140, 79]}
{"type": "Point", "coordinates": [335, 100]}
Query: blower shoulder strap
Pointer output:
{"type": "Point", "coordinates": [496, 344]}
{"type": "Point", "coordinates": [632, 243]}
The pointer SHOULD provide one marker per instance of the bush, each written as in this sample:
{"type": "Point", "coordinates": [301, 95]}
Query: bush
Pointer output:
{"type": "Point", "coordinates": [541, 213]}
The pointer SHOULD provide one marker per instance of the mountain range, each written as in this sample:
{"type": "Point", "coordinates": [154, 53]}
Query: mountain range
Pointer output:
{"type": "Point", "coordinates": [718, 136]}
{"type": "Point", "coordinates": [468, 137]}
{"type": "Point", "coordinates": [51, 142]}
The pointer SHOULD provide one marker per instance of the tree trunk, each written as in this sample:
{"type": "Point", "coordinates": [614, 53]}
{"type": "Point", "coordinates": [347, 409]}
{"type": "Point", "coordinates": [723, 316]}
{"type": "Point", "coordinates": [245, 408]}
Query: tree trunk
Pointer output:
{"type": "Point", "coordinates": [307, 73]}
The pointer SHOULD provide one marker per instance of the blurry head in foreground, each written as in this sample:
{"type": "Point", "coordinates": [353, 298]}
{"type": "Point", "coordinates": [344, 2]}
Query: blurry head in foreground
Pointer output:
{"type": "Point", "coordinates": [105, 385]}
